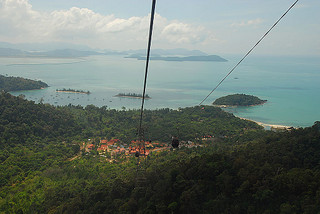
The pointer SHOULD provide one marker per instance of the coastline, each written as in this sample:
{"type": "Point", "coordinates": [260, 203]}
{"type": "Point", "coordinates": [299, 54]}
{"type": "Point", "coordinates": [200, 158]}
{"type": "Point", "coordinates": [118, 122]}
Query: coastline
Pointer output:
{"type": "Point", "coordinates": [269, 126]}
{"type": "Point", "coordinates": [264, 125]}
{"type": "Point", "coordinates": [30, 89]}
{"type": "Point", "coordinates": [146, 98]}
{"type": "Point", "coordinates": [76, 92]}
{"type": "Point", "coordinates": [235, 106]}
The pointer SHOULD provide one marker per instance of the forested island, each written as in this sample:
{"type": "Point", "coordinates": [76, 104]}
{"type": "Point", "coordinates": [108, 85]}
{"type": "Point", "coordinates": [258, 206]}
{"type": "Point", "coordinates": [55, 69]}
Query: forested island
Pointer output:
{"type": "Point", "coordinates": [73, 91]}
{"type": "Point", "coordinates": [47, 166]}
{"type": "Point", "coordinates": [19, 84]}
{"type": "Point", "coordinates": [238, 100]}
{"type": "Point", "coordinates": [133, 95]}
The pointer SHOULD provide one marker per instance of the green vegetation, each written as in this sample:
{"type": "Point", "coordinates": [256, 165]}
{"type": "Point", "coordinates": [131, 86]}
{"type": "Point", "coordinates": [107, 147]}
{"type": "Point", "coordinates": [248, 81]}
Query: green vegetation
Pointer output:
{"type": "Point", "coordinates": [134, 95]}
{"type": "Point", "coordinates": [73, 91]}
{"type": "Point", "coordinates": [243, 169]}
{"type": "Point", "coordinates": [19, 83]}
{"type": "Point", "coordinates": [239, 100]}
{"type": "Point", "coordinates": [275, 173]}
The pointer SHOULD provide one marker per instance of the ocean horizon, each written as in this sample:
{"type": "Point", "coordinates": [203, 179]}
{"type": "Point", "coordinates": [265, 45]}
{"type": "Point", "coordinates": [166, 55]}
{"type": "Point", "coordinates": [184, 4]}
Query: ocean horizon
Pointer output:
{"type": "Point", "coordinates": [289, 83]}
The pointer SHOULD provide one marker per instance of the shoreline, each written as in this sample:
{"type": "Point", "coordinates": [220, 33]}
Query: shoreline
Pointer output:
{"type": "Point", "coordinates": [264, 125]}
{"type": "Point", "coordinates": [271, 126]}
{"type": "Point", "coordinates": [146, 98]}
{"type": "Point", "coordinates": [235, 106]}
{"type": "Point", "coordinates": [73, 92]}
{"type": "Point", "coordinates": [30, 89]}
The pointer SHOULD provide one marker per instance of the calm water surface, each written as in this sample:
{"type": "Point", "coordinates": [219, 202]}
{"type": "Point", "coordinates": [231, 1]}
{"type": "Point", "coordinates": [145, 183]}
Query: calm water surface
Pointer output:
{"type": "Point", "coordinates": [290, 84]}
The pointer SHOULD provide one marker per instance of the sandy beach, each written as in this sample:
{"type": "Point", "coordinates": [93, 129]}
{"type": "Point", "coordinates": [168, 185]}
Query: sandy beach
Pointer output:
{"type": "Point", "coordinates": [267, 126]}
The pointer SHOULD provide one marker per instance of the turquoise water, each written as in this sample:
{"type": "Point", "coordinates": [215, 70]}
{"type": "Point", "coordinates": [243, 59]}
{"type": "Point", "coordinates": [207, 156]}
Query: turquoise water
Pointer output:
{"type": "Point", "coordinates": [290, 84]}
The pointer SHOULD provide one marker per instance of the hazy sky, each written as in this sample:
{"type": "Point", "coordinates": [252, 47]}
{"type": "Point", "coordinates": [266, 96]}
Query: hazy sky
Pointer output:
{"type": "Point", "coordinates": [213, 26]}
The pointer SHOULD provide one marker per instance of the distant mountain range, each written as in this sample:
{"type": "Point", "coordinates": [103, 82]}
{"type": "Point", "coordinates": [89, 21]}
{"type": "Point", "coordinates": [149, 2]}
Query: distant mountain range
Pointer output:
{"type": "Point", "coordinates": [168, 52]}
{"type": "Point", "coordinates": [9, 52]}
{"type": "Point", "coordinates": [36, 47]}
{"type": "Point", "coordinates": [47, 50]}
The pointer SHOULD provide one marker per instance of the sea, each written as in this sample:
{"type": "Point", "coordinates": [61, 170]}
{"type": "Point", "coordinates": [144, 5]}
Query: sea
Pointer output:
{"type": "Point", "coordinates": [291, 84]}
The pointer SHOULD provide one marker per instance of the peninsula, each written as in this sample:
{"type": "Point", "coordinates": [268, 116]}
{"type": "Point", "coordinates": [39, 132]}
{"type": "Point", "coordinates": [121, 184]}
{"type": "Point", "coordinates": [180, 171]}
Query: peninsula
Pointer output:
{"type": "Point", "coordinates": [212, 58]}
{"type": "Point", "coordinates": [132, 95]}
{"type": "Point", "coordinates": [73, 91]}
{"type": "Point", "coordinates": [238, 100]}
{"type": "Point", "coordinates": [20, 84]}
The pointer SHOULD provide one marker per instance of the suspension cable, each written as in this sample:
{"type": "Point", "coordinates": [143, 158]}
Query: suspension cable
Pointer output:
{"type": "Point", "coordinates": [140, 132]}
{"type": "Point", "coordinates": [245, 56]}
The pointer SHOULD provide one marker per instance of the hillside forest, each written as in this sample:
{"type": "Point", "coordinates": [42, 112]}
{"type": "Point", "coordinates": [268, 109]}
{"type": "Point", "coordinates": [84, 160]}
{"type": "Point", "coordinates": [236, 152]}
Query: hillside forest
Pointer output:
{"type": "Point", "coordinates": [19, 84]}
{"type": "Point", "coordinates": [239, 100]}
{"type": "Point", "coordinates": [240, 168]}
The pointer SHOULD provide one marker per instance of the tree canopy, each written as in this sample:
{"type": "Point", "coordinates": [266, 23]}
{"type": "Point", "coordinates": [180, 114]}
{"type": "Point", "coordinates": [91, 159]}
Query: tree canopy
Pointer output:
{"type": "Point", "coordinates": [239, 100]}
{"type": "Point", "coordinates": [19, 83]}
{"type": "Point", "coordinates": [245, 169]}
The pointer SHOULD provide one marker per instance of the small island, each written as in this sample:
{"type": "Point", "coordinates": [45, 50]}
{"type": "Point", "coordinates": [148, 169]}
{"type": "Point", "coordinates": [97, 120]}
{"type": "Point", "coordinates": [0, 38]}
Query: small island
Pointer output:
{"type": "Point", "coordinates": [20, 84]}
{"type": "Point", "coordinates": [73, 91]}
{"type": "Point", "coordinates": [133, 95]}
{"type": "Point", "coordinates": [238, 100]}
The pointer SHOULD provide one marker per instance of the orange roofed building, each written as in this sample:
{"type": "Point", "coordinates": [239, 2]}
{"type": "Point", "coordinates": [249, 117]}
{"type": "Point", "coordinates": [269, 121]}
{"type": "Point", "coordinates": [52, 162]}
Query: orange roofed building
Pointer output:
{"type": "Point", "coordinates": [89, 147]}
{"type": "Point", "coordinates": [102, 148]}
{"type": "Point", "coordinates": [133, 150]}
{"type": "Point", "coordinates": [113, 141]}
{"type": "Point", "coordinates": [103, 141]}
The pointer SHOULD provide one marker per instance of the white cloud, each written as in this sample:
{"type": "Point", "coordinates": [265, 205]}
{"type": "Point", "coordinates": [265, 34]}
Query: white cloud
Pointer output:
{"type": "Point", "coordinates": [178, 32]}
{"type": "Point", "coordinates": [21, 23]}
{"type": "Point", "coordinates": [253, 22]}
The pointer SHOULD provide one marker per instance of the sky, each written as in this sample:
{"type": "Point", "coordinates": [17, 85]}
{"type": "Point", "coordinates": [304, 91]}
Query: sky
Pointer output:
{"type": "Point", "coordinates": [212, 26]}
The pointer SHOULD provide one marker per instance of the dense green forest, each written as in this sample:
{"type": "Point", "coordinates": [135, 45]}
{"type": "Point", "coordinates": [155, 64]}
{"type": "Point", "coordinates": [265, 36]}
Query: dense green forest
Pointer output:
{"type": "Point", "coordinates": [19, 83]}
{"type": "Point", "coordinates": [239, 100]}
{"type": "Point", "coordinates": [243, 170]}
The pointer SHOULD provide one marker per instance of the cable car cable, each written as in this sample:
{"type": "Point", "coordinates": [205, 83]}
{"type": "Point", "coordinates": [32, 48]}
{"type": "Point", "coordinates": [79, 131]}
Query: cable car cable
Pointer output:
{"type": "Point", "coordinates": [146, 69]}
{"type": "Point", "coordinates": [140, 132]}
{"type": "Point", "coordinates": [141, 143]}
{"type": "Point", "coordinates": [245, 56]}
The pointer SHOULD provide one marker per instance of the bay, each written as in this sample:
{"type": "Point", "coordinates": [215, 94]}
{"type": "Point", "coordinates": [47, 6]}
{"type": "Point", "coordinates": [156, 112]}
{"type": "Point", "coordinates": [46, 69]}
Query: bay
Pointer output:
{"type": "Point", "coordinates": [290, 84]}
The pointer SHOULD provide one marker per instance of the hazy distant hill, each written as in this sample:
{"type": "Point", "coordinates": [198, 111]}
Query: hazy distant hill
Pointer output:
{"type": "Point", "coordinates": [12, 52]}
{"type": "Point", "coordinates": [73, 50]}
{"type": "Point", "coordinates": [9, 52]}
{"type": "Point", "coordinates": [36, 47]}
{"type": "Point", "coordinates": [170, 55]}
{"type": "Point", "coordinates": [68, 53]}
{"type": "Point", "coordinates": [168, 52]}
